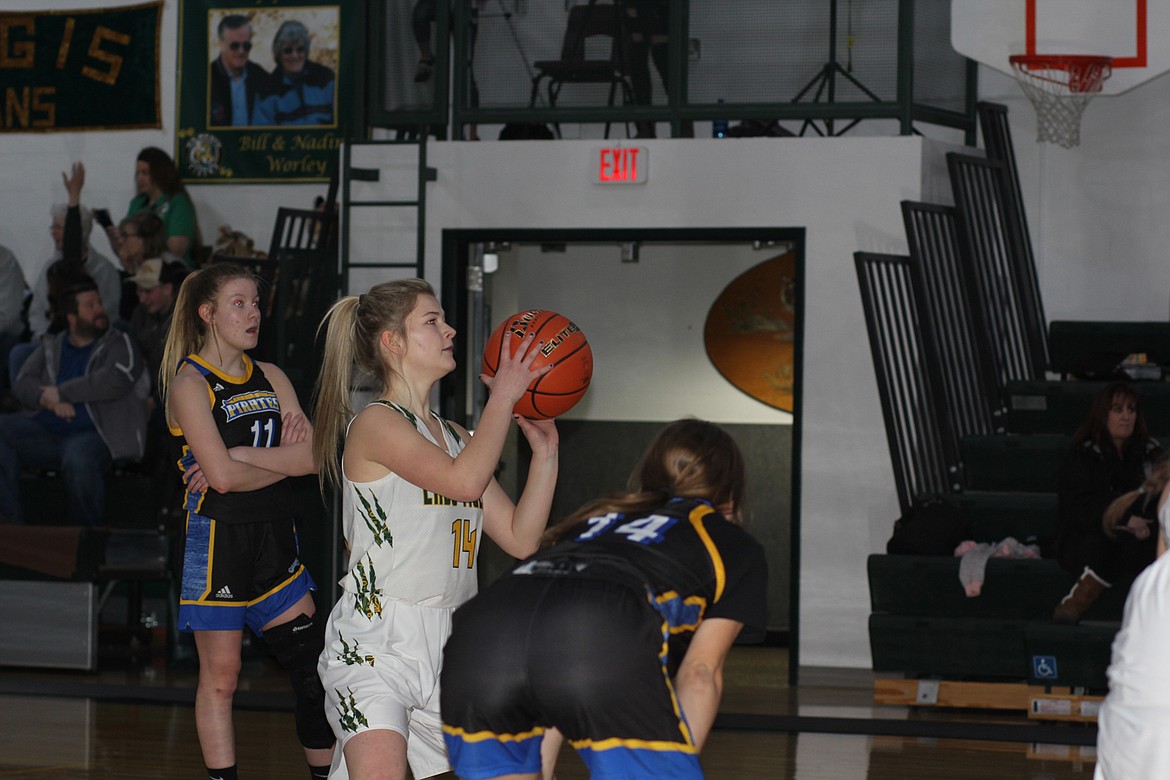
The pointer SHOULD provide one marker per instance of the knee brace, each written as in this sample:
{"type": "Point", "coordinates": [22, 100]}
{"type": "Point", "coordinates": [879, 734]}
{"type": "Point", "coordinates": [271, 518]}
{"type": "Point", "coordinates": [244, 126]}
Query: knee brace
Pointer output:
{"type": "Point", "coordinates": [297, 645]}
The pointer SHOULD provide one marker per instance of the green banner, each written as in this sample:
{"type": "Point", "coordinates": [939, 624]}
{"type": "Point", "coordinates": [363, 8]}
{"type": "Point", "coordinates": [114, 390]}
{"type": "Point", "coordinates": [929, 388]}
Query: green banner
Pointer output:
{"type": "Point", "coordinates": [80, 70]}
{"type": "Point", "coordinates": [265, 88]}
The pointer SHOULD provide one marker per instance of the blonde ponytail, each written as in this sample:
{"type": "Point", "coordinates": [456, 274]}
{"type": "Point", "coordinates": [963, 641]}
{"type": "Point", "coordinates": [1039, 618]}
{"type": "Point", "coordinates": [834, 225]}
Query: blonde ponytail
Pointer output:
{"type": "Point", "coordinates": [353, 327]}
{"type": "Point", "coordinates": [332, 408]}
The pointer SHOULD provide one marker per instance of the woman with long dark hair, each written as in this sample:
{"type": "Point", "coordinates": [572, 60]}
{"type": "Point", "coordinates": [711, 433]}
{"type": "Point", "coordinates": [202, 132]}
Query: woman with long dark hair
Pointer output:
{"type": "Point", "coordinates": [300, 91]}
{"type": "Point", "coordinates": [1111, 453]}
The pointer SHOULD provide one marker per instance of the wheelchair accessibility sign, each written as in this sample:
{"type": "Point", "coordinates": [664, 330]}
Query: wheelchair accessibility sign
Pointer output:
{"type": "Point", "coordinates": [1044, 667]}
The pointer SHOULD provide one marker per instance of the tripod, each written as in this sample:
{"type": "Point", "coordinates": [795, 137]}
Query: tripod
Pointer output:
{"type": "Point", "coordinates": [825, 81]}
{"type": "Point", "coordinates": [506, 15]}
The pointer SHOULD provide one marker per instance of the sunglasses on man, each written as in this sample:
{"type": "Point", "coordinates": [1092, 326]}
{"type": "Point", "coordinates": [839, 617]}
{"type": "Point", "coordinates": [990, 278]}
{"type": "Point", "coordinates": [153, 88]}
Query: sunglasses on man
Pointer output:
{"type": "Point", "coordinates": [237, 45]}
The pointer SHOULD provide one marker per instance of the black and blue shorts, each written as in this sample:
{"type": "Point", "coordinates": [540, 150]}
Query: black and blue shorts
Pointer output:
{"type": "Point", "coordinates": [585, 655]}
{"type": "Point", "coordinates": [239, 574]}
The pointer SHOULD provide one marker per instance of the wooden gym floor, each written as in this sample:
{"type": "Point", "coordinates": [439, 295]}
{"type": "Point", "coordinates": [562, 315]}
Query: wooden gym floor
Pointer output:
{"type": "Point", "coordinates": [135, 720]}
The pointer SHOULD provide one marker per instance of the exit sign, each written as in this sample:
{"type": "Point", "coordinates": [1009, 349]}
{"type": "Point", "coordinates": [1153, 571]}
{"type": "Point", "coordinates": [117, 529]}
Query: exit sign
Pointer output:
{"type": "Point", "coordinates": [620, 165]}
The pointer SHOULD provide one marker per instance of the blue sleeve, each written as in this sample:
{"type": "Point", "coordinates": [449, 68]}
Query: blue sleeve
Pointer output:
{"type": "Point", "coordinates": [264, 113]}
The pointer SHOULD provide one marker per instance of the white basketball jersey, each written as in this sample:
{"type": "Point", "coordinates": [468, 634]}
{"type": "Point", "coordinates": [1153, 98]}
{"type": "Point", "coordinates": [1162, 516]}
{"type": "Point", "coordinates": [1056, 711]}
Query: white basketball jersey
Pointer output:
{"type": "Point", "coordinates": [407, 543]}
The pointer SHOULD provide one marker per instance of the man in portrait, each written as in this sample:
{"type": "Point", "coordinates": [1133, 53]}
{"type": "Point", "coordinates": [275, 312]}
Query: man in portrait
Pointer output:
{"type": "Point", "coordinates": [236, 81]}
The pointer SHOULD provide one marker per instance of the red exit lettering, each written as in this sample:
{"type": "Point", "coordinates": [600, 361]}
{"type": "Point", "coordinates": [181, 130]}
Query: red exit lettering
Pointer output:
{"type": "Point", "coordinates": [621, 165]}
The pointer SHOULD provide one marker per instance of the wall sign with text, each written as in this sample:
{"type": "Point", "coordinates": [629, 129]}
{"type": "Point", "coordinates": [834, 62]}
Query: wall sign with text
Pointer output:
{"type": "Point", "coordinates": [264, 88]}
{"type": "Point", "coordinates": [620, 165]}
{"type": "Point", "coordinates": [92, 69]}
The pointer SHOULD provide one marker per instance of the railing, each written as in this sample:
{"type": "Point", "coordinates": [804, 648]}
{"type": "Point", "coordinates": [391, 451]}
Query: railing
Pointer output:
{"type": "Point", "coordinates": [819, 66]}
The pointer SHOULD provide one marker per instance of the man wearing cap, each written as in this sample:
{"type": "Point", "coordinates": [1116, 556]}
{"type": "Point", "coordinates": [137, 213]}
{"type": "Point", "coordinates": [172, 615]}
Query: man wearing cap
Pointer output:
{"type": "Point", "coordinates": [235, 79]}
{"type": "Point", "coordinates": [157, 282]}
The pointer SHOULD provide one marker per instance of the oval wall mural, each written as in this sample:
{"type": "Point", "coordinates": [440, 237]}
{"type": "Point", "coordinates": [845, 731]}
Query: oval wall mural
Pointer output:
{"type": "Point", "coordinates": [750, 330]}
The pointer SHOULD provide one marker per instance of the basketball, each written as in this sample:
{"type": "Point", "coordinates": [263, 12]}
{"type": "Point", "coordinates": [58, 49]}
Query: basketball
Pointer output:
{"type": "Point", "coordinates": [565, 349]}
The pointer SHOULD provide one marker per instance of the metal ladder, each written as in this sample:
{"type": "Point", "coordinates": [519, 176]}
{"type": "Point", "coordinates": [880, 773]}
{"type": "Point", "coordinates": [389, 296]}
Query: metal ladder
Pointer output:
{"type": "Point", "coordinates": [350, 175]}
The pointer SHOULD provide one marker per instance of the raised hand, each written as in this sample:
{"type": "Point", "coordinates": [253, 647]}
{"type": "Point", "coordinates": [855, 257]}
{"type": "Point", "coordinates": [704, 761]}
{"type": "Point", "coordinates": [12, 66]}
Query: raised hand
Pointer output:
{"type": "Point", "coordinates": [74, 181]}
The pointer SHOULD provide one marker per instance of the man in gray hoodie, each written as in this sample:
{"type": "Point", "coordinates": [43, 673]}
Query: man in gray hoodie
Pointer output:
{"type": "Point", "coordinates": [84, 395]}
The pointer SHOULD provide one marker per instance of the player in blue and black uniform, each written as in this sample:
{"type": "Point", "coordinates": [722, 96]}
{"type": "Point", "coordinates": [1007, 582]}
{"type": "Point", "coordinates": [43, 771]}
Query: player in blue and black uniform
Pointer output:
{"type": "Point", "coordinates": [241, 432]}
{"type": "Point", "coordinates": [615, 634]}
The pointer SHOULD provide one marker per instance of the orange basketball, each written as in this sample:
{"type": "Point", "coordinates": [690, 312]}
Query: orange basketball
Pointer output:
{"type": "Point", "coordinates": [565, 349]}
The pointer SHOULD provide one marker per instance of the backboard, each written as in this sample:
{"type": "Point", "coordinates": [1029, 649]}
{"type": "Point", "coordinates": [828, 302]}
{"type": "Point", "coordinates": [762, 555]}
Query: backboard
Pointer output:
{"type": "Point", "coordinates": [1133, 32]}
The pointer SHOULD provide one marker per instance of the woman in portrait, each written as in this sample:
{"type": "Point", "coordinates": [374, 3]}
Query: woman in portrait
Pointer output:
{"type": "Point", "coordinates": [299, 92]}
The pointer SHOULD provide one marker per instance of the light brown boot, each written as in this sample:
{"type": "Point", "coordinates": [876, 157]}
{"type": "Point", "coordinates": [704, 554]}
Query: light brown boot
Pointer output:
{"type": "Point", "coordinates": [1068, 612]}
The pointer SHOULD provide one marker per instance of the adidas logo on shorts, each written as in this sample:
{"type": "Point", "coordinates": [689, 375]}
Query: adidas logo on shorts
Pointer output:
{"type": "Point", "coordinates": [224, 593]}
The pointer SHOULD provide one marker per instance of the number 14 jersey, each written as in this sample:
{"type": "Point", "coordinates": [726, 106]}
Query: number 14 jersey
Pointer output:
{"type": "Point", "coordinates": [408, 543]}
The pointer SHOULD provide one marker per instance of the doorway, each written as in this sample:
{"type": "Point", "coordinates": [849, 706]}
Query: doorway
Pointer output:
{"type": "Point", "coordinates": [643, 297]}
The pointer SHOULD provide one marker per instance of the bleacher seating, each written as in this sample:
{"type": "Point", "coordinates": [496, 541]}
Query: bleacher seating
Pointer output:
{"type": "Point", "coordinates": [133, 497]}
{"type": "Point", "coordinates": [969, 287]}
{"type": "Point", "coordinates": [1094, 349]}
{"type": "Point", "coordinates": [128, 561]}
{"type": "Point", "coordinates": [1056, 407]}
{"type": "Point", "coordinates": [1013, 462]}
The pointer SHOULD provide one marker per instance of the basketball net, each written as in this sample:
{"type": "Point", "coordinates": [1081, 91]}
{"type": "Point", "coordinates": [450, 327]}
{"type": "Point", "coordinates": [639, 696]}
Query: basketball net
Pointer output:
{"type": "Point", "coordinates": [1060, 86]}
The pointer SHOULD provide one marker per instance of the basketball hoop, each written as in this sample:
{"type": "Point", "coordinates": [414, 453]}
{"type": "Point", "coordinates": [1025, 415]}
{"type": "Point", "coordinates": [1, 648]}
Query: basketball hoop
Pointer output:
{"type": "Point", "coordinates": [1060, 86]}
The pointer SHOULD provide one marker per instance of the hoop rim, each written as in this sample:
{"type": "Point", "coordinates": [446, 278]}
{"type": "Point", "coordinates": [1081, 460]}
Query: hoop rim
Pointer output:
{"type": "Point", "coordinates": [1084, 73]}
{"type": "Point", "coordinates": [1061, 61]}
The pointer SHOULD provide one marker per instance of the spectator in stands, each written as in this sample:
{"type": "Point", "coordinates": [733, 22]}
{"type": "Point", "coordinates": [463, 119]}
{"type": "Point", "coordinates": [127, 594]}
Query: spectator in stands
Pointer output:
{"type": "Point", "coordinates": [96, 265]}
{"type": "Point", "coordinates": [1132, 722]}
{"type": "Point", "coordinates": [161, 191]}
{"type": "Point", "coordinates": [12, 296]}
{"type": "Point", "coordinates": [72, 255]}
{"type": "Point", "coordinates": [236, 81]}
{"type": "Point", "coordinates": [1111, 454]}
{"type": "Point", "coordinates": [300, 91]}
{"type": "Point", "coordinates": [83, 392]}
{"type": "Point", "coordinates": [144, 236]}
{"type": "Point", "coordinates": [157, 283]}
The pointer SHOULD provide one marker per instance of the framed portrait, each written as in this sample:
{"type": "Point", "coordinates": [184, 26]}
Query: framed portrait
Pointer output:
{"type": "Point", "coordinates": [263, 87]}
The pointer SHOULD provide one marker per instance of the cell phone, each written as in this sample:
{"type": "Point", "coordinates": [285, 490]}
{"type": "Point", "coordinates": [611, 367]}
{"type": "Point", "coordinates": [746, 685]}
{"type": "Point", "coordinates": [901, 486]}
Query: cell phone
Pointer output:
{"type": "Point", "coordinates": [103, 217]}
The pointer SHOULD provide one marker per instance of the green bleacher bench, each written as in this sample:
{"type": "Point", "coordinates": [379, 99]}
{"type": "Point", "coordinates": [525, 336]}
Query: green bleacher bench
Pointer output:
{"type": "Point", "coordinates": [968, 648]}
{"type": "Point", "coordinates": [992, 650]}
{"type": "Point", "coordinates": [992, 516]}
{"type": "Point", "coordinates": [1081, 654]}
{"type": "Point", "coordinates": [132, 498]}
{"type": "Point", "coordinates": [1013, 588]}
{"type": "Point", "coordinates": [1095, 348]}
{"type": "Point", "coordinates": [1013, 462]}
{"type": "Point", "coordinates": [1039, 406]}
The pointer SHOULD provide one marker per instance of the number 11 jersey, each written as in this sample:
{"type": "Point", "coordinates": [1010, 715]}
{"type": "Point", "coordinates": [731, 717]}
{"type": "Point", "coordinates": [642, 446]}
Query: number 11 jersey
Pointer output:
{"type": "Point", "coordinates": [247, 413]}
